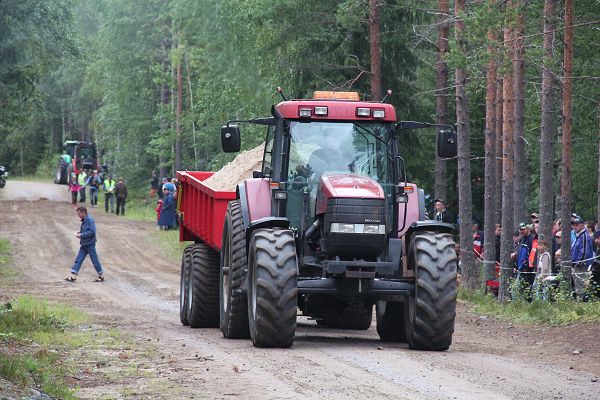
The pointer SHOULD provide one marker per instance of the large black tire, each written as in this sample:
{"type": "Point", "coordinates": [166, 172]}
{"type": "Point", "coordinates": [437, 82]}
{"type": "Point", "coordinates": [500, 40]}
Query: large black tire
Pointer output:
{"type": "Point", "coordinates": [184, 284]}
{"type": "Point", "coordinates": [273, 288]}
{"type": "Point", "coordinates": [390, 321]}
{"type": "Point", "coordinates": [61, 173]}
{"type": "Point", "coordinates": [234, 267]}
{"type": "Point", "coordinates": [432, 309]}
{"type": "Point", "coordinates": [356, 316]}
{"type": "Point", "coordinates": [203, 288]}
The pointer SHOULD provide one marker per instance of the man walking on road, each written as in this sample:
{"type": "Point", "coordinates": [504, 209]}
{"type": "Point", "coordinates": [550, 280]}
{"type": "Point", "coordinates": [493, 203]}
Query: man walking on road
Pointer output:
{"type": "Point", "coordinates": [121, 193]}
{"type": "Point", "coordinates": [87, 242]}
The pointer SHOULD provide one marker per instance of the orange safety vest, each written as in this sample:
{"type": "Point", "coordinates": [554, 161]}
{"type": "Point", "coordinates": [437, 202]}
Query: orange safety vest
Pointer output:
{"type": "Point", "coordinates": [533, 259]}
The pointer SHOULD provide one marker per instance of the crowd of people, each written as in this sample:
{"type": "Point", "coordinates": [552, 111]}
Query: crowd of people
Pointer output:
{"type": "Point", "coordinates": [537, 263]}
{"type": "Point", "coordinates": [166, 205]}
{"type": "Point", "coordinates": [85, 182]}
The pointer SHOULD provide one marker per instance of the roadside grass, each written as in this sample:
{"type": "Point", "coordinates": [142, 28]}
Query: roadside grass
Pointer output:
{"type": "Point", "coordinates": [34, 334]}
{"type": "Point", "coordinates": [561, 311]}
{"type": "Point", "coordinates": [7, 274]}
{"type": "Point", "coordinates": [54, 348]}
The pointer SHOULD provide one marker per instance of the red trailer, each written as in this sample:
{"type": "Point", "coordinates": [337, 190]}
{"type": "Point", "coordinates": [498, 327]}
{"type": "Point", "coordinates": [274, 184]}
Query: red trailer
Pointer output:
{"type": "Point", "coordinates": [201, 209]}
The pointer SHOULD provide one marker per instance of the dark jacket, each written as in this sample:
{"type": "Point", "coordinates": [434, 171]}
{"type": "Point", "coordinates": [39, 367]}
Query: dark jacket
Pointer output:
{"type": "Point", "coordinates": [444, 216]}
{"type": "Point", "coordinates": [87, 231]}
{"type": "Point", "coordinates": [121, 190]}
{"type": "Point", "coordinates": [167, 212]}
{"type": "Point", "coordinates": [523, 249]}
{"type": "Point", "coordinates": [582, 249]}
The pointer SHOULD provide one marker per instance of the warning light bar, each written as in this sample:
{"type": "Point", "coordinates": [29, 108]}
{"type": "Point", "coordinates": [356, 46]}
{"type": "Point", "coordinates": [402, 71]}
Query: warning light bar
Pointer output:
{"type": "Point", "coordinates": [330, 95]}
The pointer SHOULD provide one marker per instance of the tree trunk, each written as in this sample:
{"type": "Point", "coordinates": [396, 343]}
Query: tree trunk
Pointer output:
{"type": "Point", "coordinates": [165, 98]}
{"type": "Point", "coordinates": [521, 185]}
{"type": "Point", "coordinates": [598, 194]}
{"type": "Point", "coordinates": [375, 56]}
{"type": "Point", "coordinates": [470, 270]}
{"type": "Point", "coordinates": [499, 144]}
{"type": "Point", "coordinates": [548, 131]}
{"type": "Point", "coordinates": [566, 194]}
{"type": "Point", "coordinates": [508, 224]}
{"type": "Point", "coordinates": [490, 163]}
{"type": "Point", "coordinates": [441, 97]}
{"type": "Point", "coordinates": [178, 112]}
{"type": "Point", "coordinates": [191, 95]}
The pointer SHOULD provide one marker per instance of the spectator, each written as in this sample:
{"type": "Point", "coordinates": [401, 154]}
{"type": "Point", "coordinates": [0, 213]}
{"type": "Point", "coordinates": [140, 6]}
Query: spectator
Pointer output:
{"type": "Point", "coordinates": [497, 235]}
{"type": "Point", "coordinates": [441, 213]}
{"type": "Point", "coordinates": [160, 187]}
{"type": "Point", "coordinates": [477, 239]}
{"type": "Point", "coordinates": [556, 242]}
{"type": "Point", "coordinates": [82, 180]}
{"type": "Point", "coordinates": [525, 272]}
{"type": "Point", "coordinates": [581, 256]}
{"type": "Point", "coordinates": [109, 193]}
{"type": "Point", "coordinates": [595, 278]}
{"type": "Point", "coordinates": [87, 242]}
{"type": "Point", "coordinates": [153, 185]}
{"type": "Point", "coordinates": [166, 220]}
{"type": "Point", "coordinates": [121, 194]}
{"type": "Point", "coordinates": [94, 183]}
{"type": "Point", "coordinates": [73, 188]}
{"type": "Point", "coordinates": [158, 209]}
{"type": "Point", "coordinates": [544, 271]}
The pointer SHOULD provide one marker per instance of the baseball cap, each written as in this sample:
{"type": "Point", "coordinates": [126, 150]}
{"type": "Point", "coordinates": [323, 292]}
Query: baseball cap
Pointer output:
{"type": "Point", "coordinates": [535, 216]}
{"type": "Point", "coordinates": [523, 225]}
{"type": "Point", "coordinates": [577, 220]}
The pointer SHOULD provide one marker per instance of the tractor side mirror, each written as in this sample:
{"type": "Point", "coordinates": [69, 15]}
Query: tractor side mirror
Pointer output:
{"type": "Point", "coordinates": [230, 138]}
{"type": "Point", "coordinates": [446, 143]}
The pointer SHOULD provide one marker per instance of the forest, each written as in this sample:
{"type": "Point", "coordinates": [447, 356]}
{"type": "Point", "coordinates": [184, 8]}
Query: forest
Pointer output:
{"type": "Point", "coordinates": [152, 81]}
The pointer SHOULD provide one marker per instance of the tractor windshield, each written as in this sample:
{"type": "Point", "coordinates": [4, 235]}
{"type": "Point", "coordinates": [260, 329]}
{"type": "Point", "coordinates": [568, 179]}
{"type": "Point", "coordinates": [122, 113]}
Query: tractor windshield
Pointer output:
{"type": "Point", "coordinates": [86, 153]}
{"type": "Point", "coordinates": [317, 148]}
{"type": "Point", "coordinates": [343, 147]}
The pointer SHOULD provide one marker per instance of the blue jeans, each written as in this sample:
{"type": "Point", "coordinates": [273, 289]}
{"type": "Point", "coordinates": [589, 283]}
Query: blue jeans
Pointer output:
{"type": "Point", "coordinates": [94, 197]}
{"type": "Point", "coordinates": [83, 252]}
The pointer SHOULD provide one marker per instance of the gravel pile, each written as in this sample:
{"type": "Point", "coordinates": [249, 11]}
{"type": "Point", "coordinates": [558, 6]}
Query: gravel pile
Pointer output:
{"type": "Point", "coordinates": [227, 178]}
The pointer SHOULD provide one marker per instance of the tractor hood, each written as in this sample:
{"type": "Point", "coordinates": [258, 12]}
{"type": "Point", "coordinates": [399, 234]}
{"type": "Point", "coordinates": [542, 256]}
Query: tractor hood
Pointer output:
{"type": "Point", "coordinates": [349, 186]}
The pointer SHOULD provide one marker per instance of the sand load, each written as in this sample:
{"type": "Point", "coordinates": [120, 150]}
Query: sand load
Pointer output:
{"type": "Point", "coordinates": [227, 178]}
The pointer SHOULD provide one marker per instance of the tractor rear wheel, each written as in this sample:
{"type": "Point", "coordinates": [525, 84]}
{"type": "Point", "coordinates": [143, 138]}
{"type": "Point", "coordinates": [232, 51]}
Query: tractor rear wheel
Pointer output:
{"type": "Point", "coordinates": [61, 173]}
{"type": "Point", "coordinates": [356, 316]}
{"type": "Point", "coordinates": [273, 288]}
{"type": "Point", "coordinates": [234, 266]}
{"type": "Point", "coordinates": [390, 321]}
{"type": "Point", "coordinates": [432, 308]}
{"type": "Point", "coordinates": [184, 283]}
{"type": "Point", "coordinates": [203, 288]}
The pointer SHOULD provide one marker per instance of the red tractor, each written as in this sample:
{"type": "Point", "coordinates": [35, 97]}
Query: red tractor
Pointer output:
{"type": "Point", "coordinates": [330, 227]}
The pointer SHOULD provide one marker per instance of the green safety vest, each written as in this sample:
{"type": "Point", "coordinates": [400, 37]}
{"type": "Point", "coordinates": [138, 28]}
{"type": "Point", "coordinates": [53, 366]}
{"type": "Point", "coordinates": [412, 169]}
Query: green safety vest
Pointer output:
{"type": "Point", "coordinates": [109, 186]}
{"type": "Point", "coordinates": [82, 179]}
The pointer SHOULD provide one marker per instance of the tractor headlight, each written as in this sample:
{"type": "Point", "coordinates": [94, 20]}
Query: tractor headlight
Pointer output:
{"type": "Point", "coordinates": [337, 227]}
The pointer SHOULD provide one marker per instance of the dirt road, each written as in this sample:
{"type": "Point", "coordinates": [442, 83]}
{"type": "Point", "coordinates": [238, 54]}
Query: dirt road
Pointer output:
{"type": "Point", "coordinates": [488, 359]}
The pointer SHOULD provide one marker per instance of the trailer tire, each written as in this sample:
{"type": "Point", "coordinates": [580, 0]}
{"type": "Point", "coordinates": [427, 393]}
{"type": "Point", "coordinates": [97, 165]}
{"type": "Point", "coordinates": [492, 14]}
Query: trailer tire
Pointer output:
{"type": "Point", "coordinates": [203, 288]}
{"type": "Point", "coordinates": [273, 288]}
{"type": "Point", "coordinates": [391, 321]}
{"type": "Point", "coordinates": [432, 308]}
{"type": "Point", "coordinates": [184, 283]}
{"type": "Point", "coordinates": [355, 316]}
{"type": "Point", "coordinates": [233, 269]}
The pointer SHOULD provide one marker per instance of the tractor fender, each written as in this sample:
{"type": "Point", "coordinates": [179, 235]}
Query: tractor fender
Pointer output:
{"type": "Point", "coordinates": [428, 225]}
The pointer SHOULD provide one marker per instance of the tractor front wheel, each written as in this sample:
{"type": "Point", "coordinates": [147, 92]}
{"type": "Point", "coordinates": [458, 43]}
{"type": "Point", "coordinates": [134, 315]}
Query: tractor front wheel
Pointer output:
{"type": "Point", "coordinates": [203, 288]}
{"type": "Point", "coordinates": [273, 288]}
{"type": "Point", "coordinates": [432, 308]}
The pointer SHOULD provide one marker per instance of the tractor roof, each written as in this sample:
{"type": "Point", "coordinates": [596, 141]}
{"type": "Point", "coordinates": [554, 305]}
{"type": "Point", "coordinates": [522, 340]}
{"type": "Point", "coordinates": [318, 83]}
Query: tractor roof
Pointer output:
{"type": "Point", "coordinates": [338, 106]}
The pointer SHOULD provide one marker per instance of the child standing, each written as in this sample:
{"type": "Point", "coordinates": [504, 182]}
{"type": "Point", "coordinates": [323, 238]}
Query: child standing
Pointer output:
{"type": "Point", "coordinates": [544, 277]}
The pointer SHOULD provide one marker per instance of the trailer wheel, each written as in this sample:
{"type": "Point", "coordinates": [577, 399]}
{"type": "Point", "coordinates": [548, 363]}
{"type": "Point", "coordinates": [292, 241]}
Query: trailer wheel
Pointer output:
{"type": "Point", "coordinates": [233, 269]}
{"type": "Point", "coordinates": [273, 288]}
{"type": "Point", "coordinates": [390, 321]}
{"type": "Point", "coordinates": [203, 288]}
{"type": "Point", "coordinates": [356, 316]}
{"type": "Point", "coordinates": [432, 308]}
{"type": "Point", "coordinates": [184, 283]}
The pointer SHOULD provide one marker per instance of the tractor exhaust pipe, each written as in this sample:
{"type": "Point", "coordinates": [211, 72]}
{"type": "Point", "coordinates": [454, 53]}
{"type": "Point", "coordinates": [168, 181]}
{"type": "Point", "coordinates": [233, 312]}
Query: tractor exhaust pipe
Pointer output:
{"type": "Point", "coordinates": [312, 230]}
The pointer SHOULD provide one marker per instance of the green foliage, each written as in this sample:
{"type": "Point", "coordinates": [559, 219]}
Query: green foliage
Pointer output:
{"type": "Point", "coordinates": [561, 311]}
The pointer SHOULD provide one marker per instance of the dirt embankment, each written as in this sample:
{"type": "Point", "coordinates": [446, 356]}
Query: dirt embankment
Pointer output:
{"type": "Point", "coordinates": [487, 360]}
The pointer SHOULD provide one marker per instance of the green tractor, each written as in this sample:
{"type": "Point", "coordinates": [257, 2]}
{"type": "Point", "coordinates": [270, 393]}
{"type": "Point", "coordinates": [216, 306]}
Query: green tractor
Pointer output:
{"type": "Point", "coordinates": [77, 157]}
